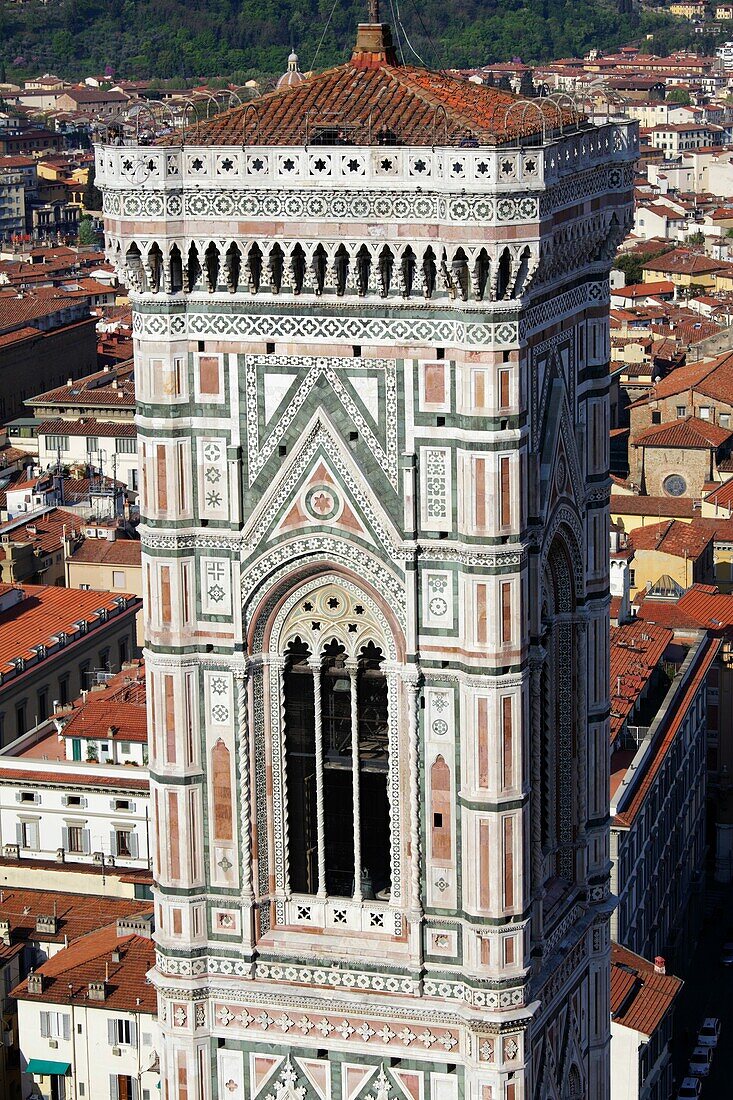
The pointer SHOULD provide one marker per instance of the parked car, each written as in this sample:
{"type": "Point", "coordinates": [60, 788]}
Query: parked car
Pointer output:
{"type": "Point", "coordinates": [726, 955]}
{"type": "Point", "coordinates": [690, 1089]}
{"type": "Point", "coordinates": [700, 1060]}
{"type": "Point", "coordinates": [709, 1032]}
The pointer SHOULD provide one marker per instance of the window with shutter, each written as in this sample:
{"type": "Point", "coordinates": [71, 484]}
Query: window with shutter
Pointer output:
{"type": "Point", "coordinates": [112, 1032]}
{"type": "Point", "coordinates": [66, 1022]}
{"type": "Point", "coordinates": [45, 1025]}
{"type": "Point", "coordinates": [114, 1091]}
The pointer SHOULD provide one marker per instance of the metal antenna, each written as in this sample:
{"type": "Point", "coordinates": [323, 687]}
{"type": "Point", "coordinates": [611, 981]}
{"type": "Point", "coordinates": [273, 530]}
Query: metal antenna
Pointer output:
{"type": "Point", "coordinates": [373, 11]}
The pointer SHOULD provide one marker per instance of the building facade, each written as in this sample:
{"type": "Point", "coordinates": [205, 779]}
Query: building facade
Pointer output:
{"type": "Point", "coordinates": [371, 353]}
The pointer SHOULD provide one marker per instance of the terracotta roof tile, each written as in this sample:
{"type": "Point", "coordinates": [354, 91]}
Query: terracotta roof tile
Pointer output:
{"type": "Point", "coordinates": [636, 650]}
{"type": "Point", "coordinates": [44, 613]}
{"type": "Point", "coordinates": [662, 507]}
{"type": "Point", "coordinates": [713, 610]}
{"type": "Point", "coordinates": [672, 537]}
{"type": "Point", "coordinates": [90, 426]}
{"type": "Point", "coordinates": [722, 497]}
{"type": "Point", "coordinates": [689, 432]}
{"type": "Point", "coordinates": [77, 914]}
{"type": "Point", "coordinates": [679, 261]}
{"type": "Point", "coordinates": [419, 107]}
{"type": "Point", "coordinates": [706, 653]}
{"type": "Point", "coordinates": [125, 781]}
{"type": "Point", "coordinates": [94, 389]}
{"type": "Point", "coordinates": [68, 973]}
{"type": "Point", "coordinates": [104, 552]}
{"type": "Point", "coordinates": [640, 997]}
{"type": "Point", "coordinates": [43, 530]}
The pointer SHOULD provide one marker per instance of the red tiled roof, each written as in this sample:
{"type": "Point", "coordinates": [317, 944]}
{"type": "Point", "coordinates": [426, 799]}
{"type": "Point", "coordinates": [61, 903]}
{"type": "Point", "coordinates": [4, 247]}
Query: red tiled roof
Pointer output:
{"type": "Point", "coordinates": [7, 339]}
{"type": "Point", "coordinates": [640, 997]}
{"type": "Point", "coordinates": [44, 613]}
{"type": "Point", "coordinates": [663, 612]}
{"type": "Point", "coordinates": [710, 608]}
{"type": "Point", "coordinates": [672, 537]}
{"type": "Point", "coordinates": [94, 389]}
{"type": "Point", "coordinates": [17, 312]}
{"type": "Point", "coordinates": [104, 552]}
{"type": "Point", "coordinates": [418, 106]}
{"type": "Point", "coordinates": [643, 290]}
{"type": "Point", "coordinates": [722, 496]}
{"type": "Point", "coordinates": [703, 659]}
{"type": "Point", "coordinates": [66, 976]}
{"type": "Point", "coordinates": [636, 650]}
{"type": "Point", "coordinates": [123, 782]}
{"type": "Point", "coordinates": [117, 711]}
{"type": "Point", "coordinates": [681, 262]}
{"type": "Point", "coordinates": [713, 378]}
{"type": "Point", "coordinates": [43, 530]}
{"type": "Point", "coordinates": [77, 914]}
{"type": "Point", "coordinates": [90, 426]}
{"type": "Point", "coordinates": [689, 432]}
{"type": "Point", "coordinates": [667, 507]}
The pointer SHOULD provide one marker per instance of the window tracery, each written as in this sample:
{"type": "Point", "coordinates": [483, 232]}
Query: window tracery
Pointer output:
{"type": "Point", "coordinates": [336, 717]}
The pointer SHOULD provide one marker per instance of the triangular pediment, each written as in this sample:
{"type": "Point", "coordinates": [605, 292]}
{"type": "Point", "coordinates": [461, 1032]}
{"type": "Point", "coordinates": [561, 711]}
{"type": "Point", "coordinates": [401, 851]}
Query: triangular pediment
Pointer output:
{"type": "Point", "coordinates": [321, 487]}
{"type": "Point", "coordinates": [285, 390]}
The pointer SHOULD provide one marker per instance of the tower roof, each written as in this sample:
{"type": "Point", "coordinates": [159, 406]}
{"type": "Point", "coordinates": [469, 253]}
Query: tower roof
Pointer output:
{"type": "Point", "coordinates": [374, 100]}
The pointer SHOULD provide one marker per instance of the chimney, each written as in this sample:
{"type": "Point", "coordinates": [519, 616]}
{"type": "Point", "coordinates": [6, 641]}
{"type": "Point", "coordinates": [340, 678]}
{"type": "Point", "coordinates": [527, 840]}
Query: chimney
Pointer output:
{"type": "Point", "coordinates": [97, 991]}
{"type": "Point", "coordinates": [35, 983]}
{"type": "Point", "coordinates": [660, 966]}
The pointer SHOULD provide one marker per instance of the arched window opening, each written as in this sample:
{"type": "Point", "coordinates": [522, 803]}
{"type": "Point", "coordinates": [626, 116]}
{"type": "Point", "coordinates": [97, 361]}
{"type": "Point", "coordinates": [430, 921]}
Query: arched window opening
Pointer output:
{"type": "Point", "coordinates": [363, 270]}
{"type": "Point", "coordinates": [211, 264]}
{"type": "Point", "coordinates": [482, 270]}
{"type": "Point", "coordinates": [429, 271]}
{"type": "Point", "coordinates": [338, 786]}
{"type": "Point", "coordinates": [407, 271]}
{"type": "Point", "coordinates": [300, 754]}
{"type": "Point", "coordinates": [193, 268]}
{"type": "Point", "coordinates": [155, 265]}
{"type": "Point", "coordinates": [384, 271]}
{"type": "Point", "coordinates": [176, 269]}
{"type": "Point", "coordinates": [341, 269]}
{"type": "Point", "coordinates": [233, 266]}
{"type": "Point", "coordinates": [504, 275]}
{"type": "Point", "coordinates": [276, 264]}
{"type": "Point", "coordinates": [134, 264]}
{"type": "Point", "coordinates": [558, 719]}
{"type": "Point", "coordinates": [373, 767]}
{"type": "Point", "coordinates": [336, 714]}
{"type": "Point", "coordinates": [575, 1084]}
{"type": "Point", "coordinates": [297, 267]}
{"type": "Point", "coordinates": [254, 268]}
{"type": "Point", "coordinates": [320, 260]}
{"type": "Point", "coordinates": [459, 273]}
{"type": "Point", "coordinates": [522, 272]}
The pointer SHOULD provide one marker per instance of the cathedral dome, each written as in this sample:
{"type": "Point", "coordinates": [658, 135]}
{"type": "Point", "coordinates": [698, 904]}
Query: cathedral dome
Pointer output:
{"type": "Point", "coordinates": [293, 76]}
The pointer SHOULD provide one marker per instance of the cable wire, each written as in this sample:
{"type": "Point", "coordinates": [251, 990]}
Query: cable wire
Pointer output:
{"type": "Point", "coordinates": [325, 29]}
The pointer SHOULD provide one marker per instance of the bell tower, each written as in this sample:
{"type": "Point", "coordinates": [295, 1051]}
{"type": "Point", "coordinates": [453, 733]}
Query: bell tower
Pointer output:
{"type": "Point", "coordinates": [371, 357]}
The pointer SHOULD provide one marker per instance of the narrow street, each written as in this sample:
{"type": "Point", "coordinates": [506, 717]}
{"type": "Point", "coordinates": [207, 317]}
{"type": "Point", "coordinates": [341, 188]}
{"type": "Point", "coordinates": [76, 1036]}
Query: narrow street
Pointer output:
{"type": "Point", "coordinates": [708, 991]}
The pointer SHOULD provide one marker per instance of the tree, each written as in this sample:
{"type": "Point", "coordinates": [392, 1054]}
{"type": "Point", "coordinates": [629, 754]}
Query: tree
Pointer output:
{"type": "Point", "coordinates": [696, 238]}
{"type": "Point", "coordinates": [86, 234]}
{"type": "Point", "coordinates": [92, 197]}
{"type": "Point", "coordinates": [679, 96]}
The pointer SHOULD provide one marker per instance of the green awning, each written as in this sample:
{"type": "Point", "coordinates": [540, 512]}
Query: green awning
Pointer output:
{"type": "Point", "coordinates": [44, 1068]}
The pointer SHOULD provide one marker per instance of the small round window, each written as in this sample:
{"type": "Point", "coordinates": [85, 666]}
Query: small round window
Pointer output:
{"type": "Point", "coordinates": [675, 485]}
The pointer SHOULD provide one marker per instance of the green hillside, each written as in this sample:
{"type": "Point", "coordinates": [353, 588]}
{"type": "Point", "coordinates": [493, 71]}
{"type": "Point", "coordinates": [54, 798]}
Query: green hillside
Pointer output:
{"type": "Point", "coordinates": [174, 39]}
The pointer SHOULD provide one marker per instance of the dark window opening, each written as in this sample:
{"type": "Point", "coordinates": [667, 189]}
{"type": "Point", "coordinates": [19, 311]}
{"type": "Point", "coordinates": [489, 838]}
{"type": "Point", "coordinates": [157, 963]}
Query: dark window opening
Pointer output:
{"type": "Point", "coordinates": [336, 683]}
